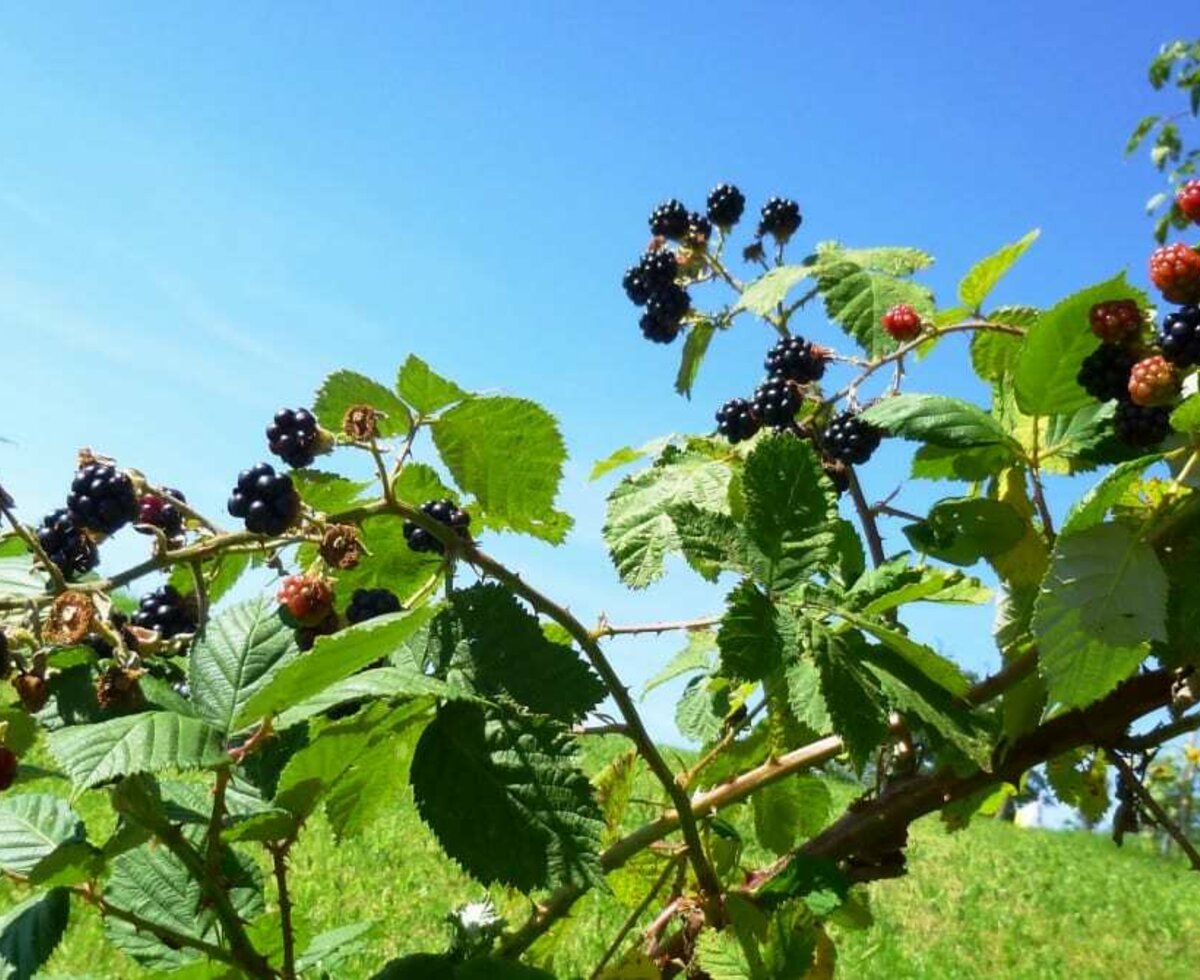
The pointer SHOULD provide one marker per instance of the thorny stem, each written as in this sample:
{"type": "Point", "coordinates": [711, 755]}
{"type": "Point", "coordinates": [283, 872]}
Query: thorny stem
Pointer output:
{"type": "Point", "coordinates": [604, 628]}
{"type": "Point", "coordinates": [279, 854]}
{"type": "Point", "coordinates": [1163, 733]}
{"type": "Point", "coordinates": [1155, 810]}
{"type": "Point", "coordinates": [628, 925]}
{"type": "Point", "coordinates": [866, 516]}
{"type": "Point", "coordinates": [381, 470]}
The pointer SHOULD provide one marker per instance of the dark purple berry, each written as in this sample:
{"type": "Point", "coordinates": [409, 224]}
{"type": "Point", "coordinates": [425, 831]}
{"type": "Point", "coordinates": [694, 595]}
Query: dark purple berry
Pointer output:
{"type": "Point", "coordinates": [776, 402]}
{"type": "Point", "coordinates": [293, 436]}
{"type": "Point", "coordinates": [780, 218]}
{"type": "Point", "coordinates": [1104, 373]}
{"type": "Point", "coordinates": [166, 611]}
{"type": "Point", "coordinates": [725, 206]}
{"type": "Point", "coordinates": [848, 439]}
{"type": "Point", "coordinates": [670, 220]}
{"type": "Point", "coordinates": [267, 501]}
{"type": "Point", "coordinates": [1179, 336]}
{"type": "Point", "coordinates": [102, 498]}
{"type": "Point", "coordinates": [1141, 426]}
{"type": "Point", "coordinates": [445, 512]}
{"type": "Point", "coordinates": [797, 360]}
{"type": "Point", "coordinates": [737, 420]}
{"type": "Point", "coordinates": [368, 603]}
{"type": "Point", "coordinates": [67, 544]}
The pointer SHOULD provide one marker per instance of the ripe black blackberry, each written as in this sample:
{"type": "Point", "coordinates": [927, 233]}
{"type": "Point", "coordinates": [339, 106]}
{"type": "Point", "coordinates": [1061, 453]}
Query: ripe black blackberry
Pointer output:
{"type": "Point", "coordinates": [1141, 426]}
{"type": "Point", "coordinates": [102, 498]}
{"type": "Point", "coordinates": [658, 331]}
{"type": "Point", "coordinates": [445, 512]}
{"type": "Point", "coordinates": [725, 206]}
{"type": "Point", "coordinates": [780, 218]}
{"type": "Point", "coordinates": [658, 270]}
{"type": "Point", "coordinates": [737, 420]}
{"type": "Point", "coordinates": [1179, 336]}
{"type": "Point", "coordinates": [776, 402]}
{"type": "Point", "coordinates": [636, 287]}
{"type": "Point", "coordinates": [1104, 373]}
{"type": "Point", "coordinates": [166, 611]}
{"type": "Point", "coordinates": [267, 501]}
{"type": "Point", "coordinates": [368, 603]}
{"type": "Point", "coordinates": [699, 227]}
{"type": "Point", "coordinates": [669, 219]}
{"type": "Point", "coordinates": [293, 436]}
{"type": "Point", "coordinates": [670, 303]}
{"type": "Point", "coordinates": [157, 510]}
{"type": "Point", "coordinates": [848, 439]}
{"type": "Point", "coordinates": [67, 544]}
{"type": "Point", "coordinates": [797, 360]}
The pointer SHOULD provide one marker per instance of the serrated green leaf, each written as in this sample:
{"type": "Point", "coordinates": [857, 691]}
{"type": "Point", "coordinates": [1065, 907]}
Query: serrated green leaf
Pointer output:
{"type": "Point", "coordinates": [639, 530]}
{"type": "Point", "coordinates": [937, 420]}
{"type": "Point", "coordinates": [1186, 418]}
{"type": "Point", "coordinates": [1069, 442]}
{"type": "Point", "coordinates": [770, 289]}
{"type": "Point", "coordinates": [509, 454]}
{"type": "Point", "coordinates": [20, 730]}
{"type": "Point", "coordinates": [419, 482]}
{"type": "Point", "coordinates": [941, 671]}
{"type": "Point", "coordinates": [711, 542]}
{"type": "Point", "coordinates": [331, 659]}
{"type": "Point", "coordinates": [20, 578]}
{"type": "Point", "coordinates": [332, 947]}
{"type": "Point", "coordinates": [235, 656]}
{"type": "Point", "coordinates": [695, 346]}
{"type": "Point", "coordinates": [722, 957]}
{"type": "Point", "coordinates": [32, 826]}
{"type": "Point", "coordinates": [222, 574]}
{"type": "Point", "coordinates": [424, 389]}
{"type": "Point", "coordinates": [790, 810]}
{"type": "Point", "coordinates": [503, 796]}
{"type": "Point", "coordinates": [816, 881]}
{"type": "Point", "coordinates": [69, 864]}
{"type": "Point", "coordinates": [30, 932]}
{"type": "Point", "coordinates": [698, 654]}
{"type": "Point", "coordinates": [345, 389]}
{"type": "Point", "coordinates": [896, 583]}
{"type": "Point", "coordinates": [381, 682]}
{"type": "Point", "coordinates": [327, 492]}
{"type": "Point", "coordinates": [1055, 347]}
{"type": "Point", "coordinates": [963, 530]}
{"type": "Point", "coordinates": [749, 640]}
{"type": "Point", "coordinates": [994, 354]}
{"type": "Point", "coordinates": [978, 283]}
{"type": "Point", "coordinates": [1102, 602]}
{"type": "Point", "coordinates": [153, 741]}
{"type": "Point", "coordinates": [850, 694]}
{"type": "Point", "coordinates": [626, 455]}
{"type": "Point", "coordinates": [374, 786]}
{"type": "Point", "coordinates": [972, 465]}
{"type": "Point", "coordinates": [702, 708]}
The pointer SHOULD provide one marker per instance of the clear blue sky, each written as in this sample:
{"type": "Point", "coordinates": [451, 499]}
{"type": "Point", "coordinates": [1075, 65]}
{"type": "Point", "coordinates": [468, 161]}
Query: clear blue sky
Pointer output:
{"type": "Point", "coordinates": [205, 208]}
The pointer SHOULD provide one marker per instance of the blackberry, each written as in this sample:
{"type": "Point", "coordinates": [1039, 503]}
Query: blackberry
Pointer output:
{"type": "Point", "coordinates": [1104, 373]}
{"type": "Point", "coordinates": [1141, 426]}
{"type": "Point", "coordinates": [848, 439]}
{"type": "Point", "coordinates": [669, 219]}
{"type": "Point", "coordinates": [1179, 336]}
{"type": "Point", "coordinates": [659, 331]}
{"type": "Point", "coordinates": [267, 501]}
{"type": "Point", "coordinates": [658, 270]}
{"type": "Point", "coordinates": [1175, 270]}
{"type": "Point", "coordinates": [1153, 381]}
{"type": "Point", "coordinates": [8, 767]}
{"type": "Point", "coordinates": [293, 436]}
{"type": "Point", "coordinates": [1188, 199]}
{"type": "Point", "coordinates": [165, 611]}
{"type": "Point", "coordinates": [307, 598]}
{"type": "Point", "coordinates": [725, 206]}
{"type": "Point", "coordinates": [664, 311]}
{"type": "Point", "coordinates": [635, 286]}
{"type": "Point", "coordinates": [445, 512]}
{"type": "Point", "coordinates": [307, 636]}
{"type": "Point", "coordinates": [160, 512]}
{"type": "Point", "coordinates": [102, 498]}
{"type": "Point", "coordinates": [776, 401]}
{"type": "Point", "coordinates": [737, 421]}
{"type": "Point", "coordinates": [699, 227]}
{"type": "Point", "coordinates": [67, 544]}
{"type": "Point", "coordinates": [1116, 320]}
{"type": "Point", "coordinates": [902, 322]}
{"type": "Point", "coordinates": [797, 360]}
{"type": "Point", "coordinates": [368, 603]}
{"type": "Point", "coordinates": [780, 218]}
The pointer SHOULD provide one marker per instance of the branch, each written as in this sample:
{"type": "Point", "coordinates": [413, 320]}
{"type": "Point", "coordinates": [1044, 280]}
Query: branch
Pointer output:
{"type": "Point", "coordinates": [279, 863]}
{"type": "Point", "coordinates": [34, 545]}
{"type": "Point", "coordinates": [1156, 811]}
{"type": "Point", "coordinates": [604, 628]}
{"type": "Point", "coordinates": [866, 517]}
{"type": "Point", "coordinates": [1156, 736]}
{"type": "Point", "coordinates": [632, 920]}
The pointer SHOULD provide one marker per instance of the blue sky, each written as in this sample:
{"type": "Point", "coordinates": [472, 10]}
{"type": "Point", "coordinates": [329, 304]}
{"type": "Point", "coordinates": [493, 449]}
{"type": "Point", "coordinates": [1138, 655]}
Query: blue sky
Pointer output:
{"type": "Point", "coordinates": [205, 208]}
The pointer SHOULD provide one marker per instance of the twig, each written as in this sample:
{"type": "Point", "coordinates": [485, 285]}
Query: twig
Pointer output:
{"type": "Point", "coordinates": [891, 511]}
{"type": "Point", "coordinates": [279, 853]}
{"type": "Point", "coordinates": [628, 925]}
{"type": "Point", "coordinates": [1163, 733]}
{"type": "Point", "coordinates": [604, 628]}
{"type": "Point", "coordinates": [31, 541]}
{"type": "Point", "coordinates": [1035, 478]}
{"type": "Point", "coordinates": [1156, 812]}
{"type": "Point", "coordinates": [866, 517]}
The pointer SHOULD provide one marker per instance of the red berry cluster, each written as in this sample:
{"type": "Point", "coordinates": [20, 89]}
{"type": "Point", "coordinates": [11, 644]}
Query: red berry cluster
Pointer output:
{"type": "Point", "coordinates": [902, 322]}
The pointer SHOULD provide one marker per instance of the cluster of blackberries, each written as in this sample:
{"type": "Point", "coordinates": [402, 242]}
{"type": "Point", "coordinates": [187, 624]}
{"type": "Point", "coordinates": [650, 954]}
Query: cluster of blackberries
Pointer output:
{"type": "Point", "coordinates": [166, 611]}
{"type": "Point", "coordinates": [443, 511]}
{"type": "Point", "coordinates": [651, 283]}
{"type": "Point", "coordinates": [102, 498]}
{"type": "Point", "coordinates": [160, 511]}
{"type": "Point", "coordinates": [791, 363]}
{"type": "Point", "coordinates": [294, 436]}
{"type": "Point", "coordinates": [267, 501]}
{"type": "Point", "coordinates": [1144, 382]}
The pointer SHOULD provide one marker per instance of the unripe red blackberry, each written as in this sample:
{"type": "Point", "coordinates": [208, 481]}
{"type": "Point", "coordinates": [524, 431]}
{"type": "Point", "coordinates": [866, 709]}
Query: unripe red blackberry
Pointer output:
{"type": "Point", "coordinates": [8, 767]}
{"type": "Point", "coordinates": [1104, 373]}
{"type": "Point", "coordinates": [1116, 321]}
{"type": "Point", "coordinates": [445, 512]}
{"type": "Point", "coordinates": [1153, 381]}
{"type": "Point", "coordinates": [102, 498]}
{"type": "Point", "coordinates": [797, 360]}
{"type": "Point", "coordinates": [1188, 199]}
{"type": "Point", "coordinates": [780, 217]}
{"type": "Point", "coordinates": [776, 402]}
{"type": "Point", "coordinates": [670, 220]}
{"type": "Point", "coordinates": [725, 206]}
{"type": "Point", "coordinates": [1141, 426]}
{"type": "Point", "coordinates": [851, 440]}
{"type": "Point", "coordinates": [902, 322]}
{"type": "Point", "coordinates": [737, 420]}
{"type": "Point", "coordinates": [1179, 336]}
{"type": "Point", "coordinates": [307, 598]}
{"type": "Point", "coordinates": [1175, 270]}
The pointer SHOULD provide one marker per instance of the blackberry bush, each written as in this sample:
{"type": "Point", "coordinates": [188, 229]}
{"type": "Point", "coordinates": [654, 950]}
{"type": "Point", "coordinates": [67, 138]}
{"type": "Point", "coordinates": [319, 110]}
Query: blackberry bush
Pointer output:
{"type": "Point", "coordinates": [102, 498]}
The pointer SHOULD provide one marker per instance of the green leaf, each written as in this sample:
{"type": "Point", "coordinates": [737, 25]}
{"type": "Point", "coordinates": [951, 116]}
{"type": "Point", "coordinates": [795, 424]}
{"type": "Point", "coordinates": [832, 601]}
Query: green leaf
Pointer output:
{"type": "Point", "coordinates": [994, 354]}
{"type": "Point", "coordinates": [963, 530]}
{"type": "Point", "coordinates": [30, 932]}
{"type": "Point", "coordinates": [20, 578]}
{"type": "Point", "coordinates": [1070, 442]}
{"type": "Point", "coordinates": [331, 659]}
{"type": "Point", "coordinates": [503, 796]}
{"type": "Point", "coordinates": [1186, 418]}
{"type": "Point", "coordinates": [857, 297]}
{"type": "Point", "coordinates": [943, 672]}
{"type": "Point", "coordinates": [345, 389]}
{"type": "Point", "coordinates": [702, 708]}
{"type": "Point", "coordinates": [32, 826]}
{"type": "Point", "coordinates": [816, 881]}
{"type": "Point", "coordinates": [228, 569]}
{"type": "Point", "coordinates": [896, 583]}
{"type": "Point", "coordinates": [332, 947]}
{"type": "Point", "coordinates": [381, 682]}
{"type": "Point", "coordinates": [699, 336]}
{"type": "Point", "coordinates": [1055, 347]}
{"type": "Point", "coordinates": [509, 453]}
{"type": "Point", "coordinates": [770, 289]}
{"type": "Point", "coordinates": [626, 455]}
{"type": "Point", "coordinates": [639, 530]}
{"type": "Point", "coordinates": [973, 465]}
{"type": "Point", "coordinates": [375, 785]}
{"type": "Point", "coordinates": [788, 810]}
{"type": "Point", "coordinates": [327, 492]}
{"type": "Point", "coordinates": [69, 864]}
{"type": "Point", "coordinates": [721, 956]}
{"type": "Point", "coordinates": [851, 695]}
{"type": "Point", "coordinates": [20, 730]}
{"type": "Point", "coordinates": [937, 420]}
{"type": "Point", "coordinates": [1094, 505]}
{"type": "Point", "coordinates": [791, 512]}
{"type": "Point", "coordinates": [149, 742]}
{"type": "Point", "coordinates": [235, 656]}
{"type": "Point", "coordinates": [1103, 601]}
{"type": "Point", "coordinates": [711, 542]}
{"type": "Point", "coordinates": [697, 655]}
{"type": "Point", "coordinates": [986, 273]}
{"type": "Point", "coordinates": [749, 640]}
{"type": "Point", "coordinates": [424, 389]}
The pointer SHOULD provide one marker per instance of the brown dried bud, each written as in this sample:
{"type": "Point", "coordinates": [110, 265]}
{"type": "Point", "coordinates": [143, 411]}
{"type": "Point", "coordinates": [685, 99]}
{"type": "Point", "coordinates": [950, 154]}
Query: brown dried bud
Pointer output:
{"type": "Point", "coordinates": [32, 690]}
{"type": "Point", "coordinates": [341, 546]}
{"type": "Point", "coordinates": [361, 423]}
{"type": "Point", "coordinates": [118, 689]}
{"type": "Point", "coordinates": [753, 252]}
{"type": "Point", "coordinates": [70, 618]}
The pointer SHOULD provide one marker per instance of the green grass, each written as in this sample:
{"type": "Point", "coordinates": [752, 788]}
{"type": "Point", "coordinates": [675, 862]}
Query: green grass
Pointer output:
{"type": "Point", "coordinates": [989, 901]}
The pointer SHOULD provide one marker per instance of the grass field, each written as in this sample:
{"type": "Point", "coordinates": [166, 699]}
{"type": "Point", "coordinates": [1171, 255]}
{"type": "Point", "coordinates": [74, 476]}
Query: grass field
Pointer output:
{"type": "Point", "coordinates": [990, 901]}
